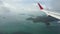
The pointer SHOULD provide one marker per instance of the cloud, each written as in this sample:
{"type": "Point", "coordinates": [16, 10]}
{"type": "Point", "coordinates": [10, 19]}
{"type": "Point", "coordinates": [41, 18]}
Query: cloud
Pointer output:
{"type": "Point", "coordinates": [28, 5]}
{"type": "Point", "coordinates": [24, 5]}
{"type": "Point", "coordinates": [55, 4]}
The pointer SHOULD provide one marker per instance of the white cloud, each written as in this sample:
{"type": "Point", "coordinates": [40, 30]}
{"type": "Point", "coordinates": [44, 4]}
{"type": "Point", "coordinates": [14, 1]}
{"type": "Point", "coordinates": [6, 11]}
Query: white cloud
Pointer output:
{"type": "Point", "coordinates": [55, 4]}
{"type": "Point", "coordinates": [25, 5]}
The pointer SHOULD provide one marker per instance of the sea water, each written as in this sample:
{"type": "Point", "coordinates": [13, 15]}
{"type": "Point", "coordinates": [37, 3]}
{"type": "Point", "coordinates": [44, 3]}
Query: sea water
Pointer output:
{"type": "Point", "coordinates": [11, 23]}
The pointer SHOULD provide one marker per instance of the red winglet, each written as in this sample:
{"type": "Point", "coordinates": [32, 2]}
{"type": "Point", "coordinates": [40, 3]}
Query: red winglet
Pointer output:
{"type": "Point", "coordinates": [41, 8]}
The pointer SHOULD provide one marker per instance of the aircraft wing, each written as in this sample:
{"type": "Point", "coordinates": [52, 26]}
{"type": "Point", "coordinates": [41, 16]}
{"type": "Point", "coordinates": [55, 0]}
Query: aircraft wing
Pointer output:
{"type": "Point", "coordinates": [48, 12]}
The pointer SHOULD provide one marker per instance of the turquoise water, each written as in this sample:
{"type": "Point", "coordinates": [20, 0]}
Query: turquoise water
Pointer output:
{"type": "Point", "coordinates": [17, 24]}
{"type": "Point", "coordinates": [27, 27]}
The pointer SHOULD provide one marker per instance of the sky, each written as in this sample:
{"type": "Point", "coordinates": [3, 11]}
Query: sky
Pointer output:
{"type": "Point", "coordinates": [55, 4]}
{"type": "Point", "coordinates": [26, 5]}
{"type": "Point", "coordinates": [29, 5]}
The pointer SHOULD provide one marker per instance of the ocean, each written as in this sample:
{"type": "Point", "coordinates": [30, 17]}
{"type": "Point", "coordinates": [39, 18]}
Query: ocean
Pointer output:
{"type": "Point", "coordinates": [11, 23]}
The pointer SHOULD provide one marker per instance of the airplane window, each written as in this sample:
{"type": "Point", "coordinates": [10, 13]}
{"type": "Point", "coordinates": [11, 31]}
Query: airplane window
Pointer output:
{"type": "Point", "coordinates": [29, 17]}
